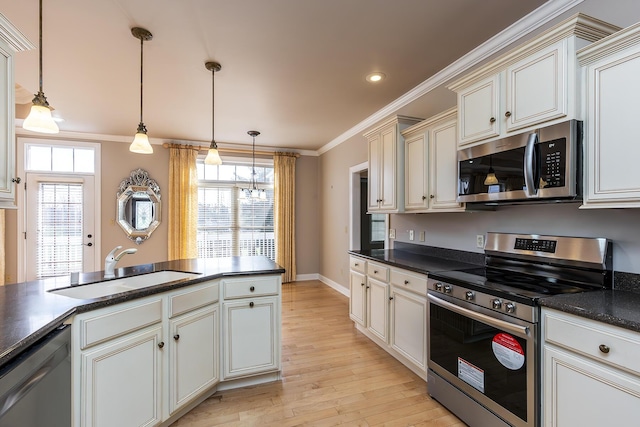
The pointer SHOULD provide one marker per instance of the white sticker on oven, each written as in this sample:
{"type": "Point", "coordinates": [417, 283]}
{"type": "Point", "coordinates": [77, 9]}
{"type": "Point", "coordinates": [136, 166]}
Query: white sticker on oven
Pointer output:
{"type": "Point", "coordinates": [508, 351]}
{"type": "Point", "coordinates": [471, 374]}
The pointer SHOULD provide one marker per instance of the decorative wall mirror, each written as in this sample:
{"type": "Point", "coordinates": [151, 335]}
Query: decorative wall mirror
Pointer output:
{"type": "Point", "coordinates": [138, 206]}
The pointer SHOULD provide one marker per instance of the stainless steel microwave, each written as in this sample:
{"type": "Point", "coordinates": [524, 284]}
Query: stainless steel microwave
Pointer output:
{"type": "Point", "coordinates": [542, 165]}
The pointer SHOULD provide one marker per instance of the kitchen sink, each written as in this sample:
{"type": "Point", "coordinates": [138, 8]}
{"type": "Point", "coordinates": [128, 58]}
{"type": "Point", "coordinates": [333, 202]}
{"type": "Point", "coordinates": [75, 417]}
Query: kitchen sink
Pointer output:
{"type": "Point", "coordinates": [125, 284]}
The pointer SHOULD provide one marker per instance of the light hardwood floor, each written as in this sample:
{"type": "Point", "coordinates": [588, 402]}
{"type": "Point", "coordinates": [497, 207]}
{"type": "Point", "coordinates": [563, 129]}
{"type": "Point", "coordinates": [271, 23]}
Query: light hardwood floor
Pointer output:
{"type": "Point", "coordinates": [331, 375]}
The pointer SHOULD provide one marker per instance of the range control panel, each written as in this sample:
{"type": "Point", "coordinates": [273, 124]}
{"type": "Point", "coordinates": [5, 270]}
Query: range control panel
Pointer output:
{"type": "Point", "coordinates": [538, 245]}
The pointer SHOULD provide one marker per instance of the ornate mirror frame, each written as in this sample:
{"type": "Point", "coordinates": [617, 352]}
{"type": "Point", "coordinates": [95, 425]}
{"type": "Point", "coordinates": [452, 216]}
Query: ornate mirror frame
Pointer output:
{"type": "Point", "coordinates": [138, 206]}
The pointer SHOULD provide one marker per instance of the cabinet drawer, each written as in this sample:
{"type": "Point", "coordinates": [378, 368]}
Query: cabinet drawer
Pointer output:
{"type": "Point", "coordinates": [250, 287]}
{"type": "Point", "coordinates": [117, 322]}
{"type": "Point", "coordinates": [193, 298]}
{"type": "Point", "coordinates": [378, 271]}
{"type": "Point", "coordinates": [357, 264]}
{"type": "Point", "coordinates": [586, 337]}
{"type": "Point", "coordinates": [409, 282]}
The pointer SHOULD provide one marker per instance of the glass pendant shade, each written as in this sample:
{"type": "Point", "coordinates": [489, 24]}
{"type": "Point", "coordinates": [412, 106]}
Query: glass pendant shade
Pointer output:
{"type": "Point", "coordinates": [263, 195]}
{"type": "Point", "coordinates": [213, 157]}
{"type": "Point", "coordinates": [491, 179]}
{"type": "Point", "coordinates": [40, 120]}
{"type": "Point", "coordinates": [140, 143]}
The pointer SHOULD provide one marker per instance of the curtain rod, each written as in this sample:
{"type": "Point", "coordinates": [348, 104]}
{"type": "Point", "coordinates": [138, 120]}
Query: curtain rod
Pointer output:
{"type": "Point", "coordinates": [229, 150]}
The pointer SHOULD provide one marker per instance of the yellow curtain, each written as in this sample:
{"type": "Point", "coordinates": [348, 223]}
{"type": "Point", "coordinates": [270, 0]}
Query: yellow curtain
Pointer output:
{"type": "Point", "coordinates": [183, 202]}
{"type": "Point", "coordinates": [284, 166]}
{"type": "Point", "coordinates": [2, 261]}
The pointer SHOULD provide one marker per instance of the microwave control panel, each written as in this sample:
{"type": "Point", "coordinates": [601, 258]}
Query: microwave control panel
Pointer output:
{"type": "Point", "coordinates": [553, 163]}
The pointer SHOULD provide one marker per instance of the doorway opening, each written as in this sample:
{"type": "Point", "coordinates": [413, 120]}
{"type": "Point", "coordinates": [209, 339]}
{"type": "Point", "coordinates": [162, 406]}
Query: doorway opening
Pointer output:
{"type": "Point", "coordinates": [366, 231]}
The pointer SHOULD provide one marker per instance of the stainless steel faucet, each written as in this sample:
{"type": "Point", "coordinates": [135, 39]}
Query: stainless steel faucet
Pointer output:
{"type": "Point", "coordinates": [112, 259]}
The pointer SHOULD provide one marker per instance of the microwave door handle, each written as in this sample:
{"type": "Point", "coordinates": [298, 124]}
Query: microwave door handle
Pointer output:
{"type": "Point", "coordinates": [529, 166]}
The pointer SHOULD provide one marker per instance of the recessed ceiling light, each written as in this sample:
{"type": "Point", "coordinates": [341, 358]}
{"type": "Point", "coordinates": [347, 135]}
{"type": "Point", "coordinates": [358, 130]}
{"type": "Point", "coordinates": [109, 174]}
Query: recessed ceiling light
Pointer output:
{"type": "Point", "coordinates": [375, 77]}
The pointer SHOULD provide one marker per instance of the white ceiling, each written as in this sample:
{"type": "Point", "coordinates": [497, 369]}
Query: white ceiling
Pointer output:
{"type": "Point", "coordinates": [292, 69]}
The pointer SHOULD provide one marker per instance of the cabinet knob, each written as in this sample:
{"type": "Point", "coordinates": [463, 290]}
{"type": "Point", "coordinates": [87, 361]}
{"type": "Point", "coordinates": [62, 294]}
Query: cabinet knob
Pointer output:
{"type": "Point", "coordinates": [604, 348]}
{"type": "Point", "coordinates": [356, 264]}
{"type": "Point", "coordinates": [375, 271]}
{"type": "Point", "coordinates": [253, 288]}
{"type": "Point", "coordinates": [161, 344]}
{"type": "Point", "coordinates": [507, 114]}
{"type": "Point", "coordinates": [251, 304]}
{"type": "Point", "coordinates": [16, 180]}
{"type": "Point", "coordinates": [433, 196]}
{"type": "Point", "coordinates": [424, 197]}
{"type": "Point", "coordinates": [492, 120]}
{"type": "Point", "coordinates": [406, 282]}
{"type": "Point", "coordinates": [390, 298]}
{"type": "Point", "coordinates": [176, 337]}
{"type": "Point", "coordinates": [361, 284]}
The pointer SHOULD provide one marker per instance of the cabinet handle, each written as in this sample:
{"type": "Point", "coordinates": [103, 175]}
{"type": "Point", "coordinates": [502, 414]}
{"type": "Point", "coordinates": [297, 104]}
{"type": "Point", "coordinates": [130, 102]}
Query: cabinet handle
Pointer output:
{"type": "Point", "coordinates": [406, 282]}
{"type": "Point", "coordinates": [176, 337]}
{"type": "Point", "coordinates": [161, 344]}
{"type": "Point", "coordinates": [604, 348]}
{"type": "Point", "coordinates": [251, 304]}
{"type": "Point", "coordinates": [492, 120]}
{"type": "Point", "coordinates": [253, 288]}
{"type": "Point", "coordinates": [507, 114]}
{"type": "Point", "coordinates": [16, 180]}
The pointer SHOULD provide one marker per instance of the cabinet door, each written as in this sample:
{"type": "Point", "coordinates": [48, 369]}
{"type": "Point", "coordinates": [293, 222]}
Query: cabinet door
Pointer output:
{"type": "Point", "coordinates": [444, 167]}
{"type": "Point", "coordinates": [357, 297]}
{"type": "Point", "coordinates": [252, 336]}
{"type": "Point", "coordinates": [536, 88]}
{"type": "Point", "coordinates": [409, 326]}
{"type": "Point", "coordinates": [389, 146]}
{"type": "Point", "coordinates": [417, 172]}
{"type": "Point", "coordinates": [378, 309]}
{"type": "Point", "coordinates": [121, 381]}
{"type": "Point", "coordinates": [478, 110]}
{"type": "Point", "coordinates": [7, 139]}
{"type": "Point", "coordinates": [194, 355]}
{"type": "Point", "coordinates": [579, 392]}
{"type": "Point", "coordinates": [375, 177]}
{"type": "Point", "coordinates": [613, 99]}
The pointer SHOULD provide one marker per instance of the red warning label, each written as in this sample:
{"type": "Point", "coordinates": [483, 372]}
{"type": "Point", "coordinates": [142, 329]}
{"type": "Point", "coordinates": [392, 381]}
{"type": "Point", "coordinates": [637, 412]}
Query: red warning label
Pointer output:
{"type": "Point", "coordinates": [508, 351]}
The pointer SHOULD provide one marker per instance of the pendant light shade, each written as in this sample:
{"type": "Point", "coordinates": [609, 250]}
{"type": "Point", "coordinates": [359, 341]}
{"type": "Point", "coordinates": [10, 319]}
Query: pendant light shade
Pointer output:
{"type": "Point", "coordinates": [491, 178]}
{"type": "Point", "coordinates": [213, 157]}
{"type": "Point", "coordinates": [253, 192]}
{"type": "Point", "coordinates": [39, 118]}
{"type": "Point", "coordinates": [140, 142]}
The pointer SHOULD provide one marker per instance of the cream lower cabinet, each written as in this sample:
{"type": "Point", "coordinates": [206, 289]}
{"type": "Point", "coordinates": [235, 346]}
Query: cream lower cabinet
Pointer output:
{"type": "Point", "coordinates": [251, 322]}
{"type": "Point", "coordinates": [611, 70]}
{"type": "Point", "coordinates": [591, 373]}
{"type": "Point", "coordinates": [389, 306]}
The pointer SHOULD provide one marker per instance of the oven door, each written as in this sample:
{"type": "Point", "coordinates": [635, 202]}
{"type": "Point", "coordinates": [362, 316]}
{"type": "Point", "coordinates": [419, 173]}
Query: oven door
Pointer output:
{"type": "Point", "coordinates": [487, 355]}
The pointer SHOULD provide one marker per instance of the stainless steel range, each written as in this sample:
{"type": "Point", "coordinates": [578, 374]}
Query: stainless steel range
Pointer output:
{"type": "Point", "coordinates": [483, 340]}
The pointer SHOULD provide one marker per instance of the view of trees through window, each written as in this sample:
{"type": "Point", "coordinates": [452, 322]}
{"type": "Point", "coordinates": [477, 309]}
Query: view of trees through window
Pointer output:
{"type": "Point", "coordinates": [228, 223]}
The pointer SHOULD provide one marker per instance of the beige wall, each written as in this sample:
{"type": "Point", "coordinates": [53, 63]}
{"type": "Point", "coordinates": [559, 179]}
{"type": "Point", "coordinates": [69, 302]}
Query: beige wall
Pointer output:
{"type": "Point", "coordinates": [334, 196]}
{"type": "Point", "coordinates": [307, 215]}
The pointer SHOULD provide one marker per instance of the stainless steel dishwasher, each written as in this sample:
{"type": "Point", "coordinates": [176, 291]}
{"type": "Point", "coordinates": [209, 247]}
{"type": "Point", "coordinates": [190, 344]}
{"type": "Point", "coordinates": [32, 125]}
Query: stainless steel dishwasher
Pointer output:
{"type": "Point", "coordinates": [35, 389]}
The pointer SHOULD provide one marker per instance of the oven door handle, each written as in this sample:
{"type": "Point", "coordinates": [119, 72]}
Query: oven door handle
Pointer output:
{"type": "Point", "coordinates": [529, 166]}
{"type": "Point", "coordinates": [491, 321]}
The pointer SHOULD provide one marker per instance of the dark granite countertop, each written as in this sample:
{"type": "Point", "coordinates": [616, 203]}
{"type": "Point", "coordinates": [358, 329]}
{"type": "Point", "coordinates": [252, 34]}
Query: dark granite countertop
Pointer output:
{"type": "Point", "coordinates": [615, 307]}
{"type": "Point", "coordinates": [419, 262]}
{"type": "Point", "coordinates": [28, 311]}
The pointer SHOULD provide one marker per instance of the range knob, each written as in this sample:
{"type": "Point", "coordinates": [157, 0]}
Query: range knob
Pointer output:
{"type": "Point", "coordinates": [448, 289]}
{"type": "Point", "coordinates": [469, 295]}
{"type": "Point", "coordinates": [496, 304]}
{"type": "Point", "coordinates": [510, 307]}
{"type": "Point", "coordinates": [438, 286]}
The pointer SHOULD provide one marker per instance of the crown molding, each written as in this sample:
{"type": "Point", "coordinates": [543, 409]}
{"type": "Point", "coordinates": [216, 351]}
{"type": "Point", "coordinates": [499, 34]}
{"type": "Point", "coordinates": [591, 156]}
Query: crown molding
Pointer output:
{"type": "Point", "coordinates": [534, 20]}
{"type": "Point", "coordinates": [13, 37]}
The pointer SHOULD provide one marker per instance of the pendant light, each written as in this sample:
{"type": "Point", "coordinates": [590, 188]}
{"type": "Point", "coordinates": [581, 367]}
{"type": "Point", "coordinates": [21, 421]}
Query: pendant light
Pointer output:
{"type": "Point", "coordinates": [39, 118]}
{"type": "Point", "coordinates": [140, 142]}
{"type": "Point", "coordinates": [213, 157]}
{"type": "Point", "coordinates": [253, 192]}
{"type": "Point", "coordinates": [491, 178]}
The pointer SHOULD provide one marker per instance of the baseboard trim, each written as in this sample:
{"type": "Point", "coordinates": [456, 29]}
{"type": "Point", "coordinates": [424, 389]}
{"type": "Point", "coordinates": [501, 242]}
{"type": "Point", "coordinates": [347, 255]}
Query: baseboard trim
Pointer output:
{"type": "Point", "coordinates": [334, 285]}
{"type": "Point", "coordinates": [305, 277]}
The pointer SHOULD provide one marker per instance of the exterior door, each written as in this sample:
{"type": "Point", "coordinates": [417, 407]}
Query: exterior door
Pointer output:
{"type": "Point", "coordinates": [60, 229]}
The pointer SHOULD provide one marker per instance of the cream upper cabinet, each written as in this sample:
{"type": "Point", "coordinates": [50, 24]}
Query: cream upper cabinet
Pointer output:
{"type": "Point", "coordinates": [537, 82]}
{"type": "Point", "coordinates": [591, 372]}
{"type": "Point", "coordinates": [11, 41]}
{"type": "Point", "coordinates": [431, 165]}
{"type": "Point", "coordinates": [611, 70]}
{"type": "Point", "coordinates": [386, 165]}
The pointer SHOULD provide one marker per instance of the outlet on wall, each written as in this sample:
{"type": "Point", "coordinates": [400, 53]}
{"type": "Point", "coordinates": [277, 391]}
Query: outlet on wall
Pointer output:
{"type": "Point", "coordinates": [480, 241]}
{"type": "Point", "coordinates": [411, 235]}
{"type": "Point", "coordinates": [421, 238]}
{"type": "Point", "coordinates": [392, 233]}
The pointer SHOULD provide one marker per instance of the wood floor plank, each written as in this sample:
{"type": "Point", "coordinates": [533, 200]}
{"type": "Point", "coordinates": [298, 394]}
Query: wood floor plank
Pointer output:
{"type": "Point", "coordinates": [331, 375]}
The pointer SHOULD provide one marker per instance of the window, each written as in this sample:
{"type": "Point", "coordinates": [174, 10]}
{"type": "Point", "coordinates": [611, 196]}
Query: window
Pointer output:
{"type": "Point", "coordinates": [229, 225]}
